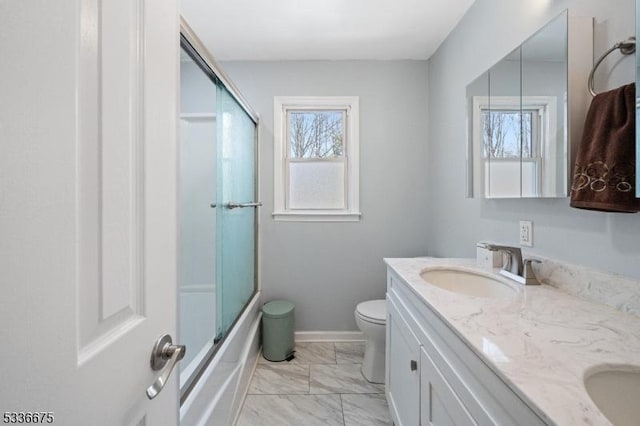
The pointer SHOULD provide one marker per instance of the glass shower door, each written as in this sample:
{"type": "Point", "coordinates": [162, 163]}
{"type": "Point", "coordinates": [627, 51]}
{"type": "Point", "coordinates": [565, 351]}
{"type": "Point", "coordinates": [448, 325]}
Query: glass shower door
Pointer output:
{"type": "Point", "coordinates": [197, 223]}
{"type": "Point", "coordinates": [236, 215]}
{"type": "Point", "coordinates": [217, 213]}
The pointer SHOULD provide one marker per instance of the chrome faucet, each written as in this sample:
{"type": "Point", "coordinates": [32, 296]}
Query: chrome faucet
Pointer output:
{"type": "Point", "coordinates": [515, 267]}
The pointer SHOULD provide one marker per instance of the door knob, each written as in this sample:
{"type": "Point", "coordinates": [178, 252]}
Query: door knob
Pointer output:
{"type": "Point", "coordinates": [164, 352]}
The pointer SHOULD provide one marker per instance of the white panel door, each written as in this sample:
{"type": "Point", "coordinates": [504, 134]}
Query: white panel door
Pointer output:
{"type": "Point", "coordinates": [88, 112]}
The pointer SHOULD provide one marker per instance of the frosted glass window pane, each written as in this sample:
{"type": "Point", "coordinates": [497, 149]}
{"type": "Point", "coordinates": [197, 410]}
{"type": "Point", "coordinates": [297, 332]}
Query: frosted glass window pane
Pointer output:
{"type": "Point", "coordinates": [316, 185]}
{"type": "Point", "coordinates": [529, 176]}
{"type": "Point", "coordinates": [503, 179]}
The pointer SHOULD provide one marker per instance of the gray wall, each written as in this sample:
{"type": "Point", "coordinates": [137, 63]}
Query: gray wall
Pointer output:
{"type": "Point", "coordinates": [327, 268]}
{"type": "Point", "coordinates": [604, 241]}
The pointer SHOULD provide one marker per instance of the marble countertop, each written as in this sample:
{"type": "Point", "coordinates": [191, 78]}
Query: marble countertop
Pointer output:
{"type": "Point", "coordinates": [541, 342]}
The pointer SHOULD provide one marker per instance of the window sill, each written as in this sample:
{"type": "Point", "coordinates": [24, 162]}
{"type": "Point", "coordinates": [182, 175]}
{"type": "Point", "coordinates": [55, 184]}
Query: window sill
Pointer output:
{"type": "Point", "coordinates": [316, 216]}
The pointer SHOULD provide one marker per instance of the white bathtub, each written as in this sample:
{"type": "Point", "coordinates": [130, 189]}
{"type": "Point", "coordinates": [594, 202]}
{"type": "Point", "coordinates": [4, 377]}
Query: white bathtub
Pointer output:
{"type": "Point", "coordinates": [197, 324]}
{"type": "Point", "coordinates": [215, 399]}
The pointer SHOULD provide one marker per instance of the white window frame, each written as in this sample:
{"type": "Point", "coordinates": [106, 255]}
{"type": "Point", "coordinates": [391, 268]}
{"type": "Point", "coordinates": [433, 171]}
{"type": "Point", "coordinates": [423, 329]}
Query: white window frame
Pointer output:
{"type": "Point", "coordinates": [281, 106]}
{"type": "Point", "coordinates": [545, 154]}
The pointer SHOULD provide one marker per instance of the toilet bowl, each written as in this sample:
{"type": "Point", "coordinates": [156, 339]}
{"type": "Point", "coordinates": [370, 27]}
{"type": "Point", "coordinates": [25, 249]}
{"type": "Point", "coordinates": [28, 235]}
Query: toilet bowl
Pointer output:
{"type": "Point", "coordinates": [371, 317]}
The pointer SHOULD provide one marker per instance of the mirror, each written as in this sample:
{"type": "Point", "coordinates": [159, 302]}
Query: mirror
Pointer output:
{"type": "Point", "coordinates": [517, 127]}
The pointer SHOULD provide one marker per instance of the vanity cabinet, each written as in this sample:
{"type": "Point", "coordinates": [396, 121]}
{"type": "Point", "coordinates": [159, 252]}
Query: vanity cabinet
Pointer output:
{"type": "Point", "coordinates": [439, 403]}
{"type": "Point", "coordinates": [403, 357]}
{"type": "Point", "coordinates": [434, 378]}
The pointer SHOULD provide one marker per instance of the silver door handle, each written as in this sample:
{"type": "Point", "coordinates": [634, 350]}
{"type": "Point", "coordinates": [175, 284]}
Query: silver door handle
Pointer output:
{"type": "Point", "coordinates": [232, 205]}
{"type": "Point", "coordinates": [164, 352]}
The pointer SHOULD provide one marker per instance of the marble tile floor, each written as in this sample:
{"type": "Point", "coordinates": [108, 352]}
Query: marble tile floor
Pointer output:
{"type": "Point", "coordinates": [322, 385]}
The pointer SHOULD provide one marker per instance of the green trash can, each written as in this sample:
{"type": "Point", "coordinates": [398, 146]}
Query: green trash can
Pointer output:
{"type": "Point", "coordinates": [277, 330]}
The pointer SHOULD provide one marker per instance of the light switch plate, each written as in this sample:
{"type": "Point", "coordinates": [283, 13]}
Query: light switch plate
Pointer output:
{"type": "Point", "coordinates": [526, 233]}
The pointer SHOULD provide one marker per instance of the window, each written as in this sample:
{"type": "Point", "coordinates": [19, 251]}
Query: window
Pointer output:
{"type": "Point", "coordinates": [518, 142]}
{"type": "Point", "coordinates": [504, 130]}
{"type": "Point", "coordinates": [316, 159]}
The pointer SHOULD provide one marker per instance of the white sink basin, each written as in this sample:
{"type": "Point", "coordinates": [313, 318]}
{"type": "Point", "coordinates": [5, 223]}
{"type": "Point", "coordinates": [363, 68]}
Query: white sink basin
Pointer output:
{"type": "Point", "coordinates": [616, 392]}
{"type": "Point", "coordinates": [468, 282]}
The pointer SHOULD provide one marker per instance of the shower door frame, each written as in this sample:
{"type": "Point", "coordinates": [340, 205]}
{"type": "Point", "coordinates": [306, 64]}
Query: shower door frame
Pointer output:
{"type": "Point", "coordinates": [209, 66]}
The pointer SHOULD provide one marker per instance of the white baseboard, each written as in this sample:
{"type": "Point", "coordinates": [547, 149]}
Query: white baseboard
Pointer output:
{"type": "Point", "coordinates": [329, 336]}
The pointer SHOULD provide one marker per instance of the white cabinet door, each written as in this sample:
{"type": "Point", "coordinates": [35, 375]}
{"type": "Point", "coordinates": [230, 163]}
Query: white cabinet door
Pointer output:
{"type": "Point", "coordinates": [403, 386]}
{"type": "Point", "coordinates": [87, 208]}
{"type": "Point", "coordinates": [439, 405]}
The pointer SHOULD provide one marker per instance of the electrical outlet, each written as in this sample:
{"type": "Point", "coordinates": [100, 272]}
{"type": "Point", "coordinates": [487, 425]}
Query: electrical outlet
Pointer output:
{"type": "Point", "coordinates": [526, 233]}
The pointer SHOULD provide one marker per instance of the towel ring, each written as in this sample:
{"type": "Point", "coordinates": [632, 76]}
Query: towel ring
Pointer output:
{"type": "Point", "coordinates": [626, 47]}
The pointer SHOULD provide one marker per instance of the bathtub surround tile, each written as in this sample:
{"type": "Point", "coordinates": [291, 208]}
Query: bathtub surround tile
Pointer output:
{"type": "Point", "coordinates": [366, 410]}
{"type": "Point", "coordinates": [349, 352]}
{"type": "Point", "coordinates": [280, 379]}
{"type": "Point", "coordinates": [340, 378]}
{"type": "Point", "coordinates": [310, 353]}
{"type": "Point", "coordinates": [291, 410]}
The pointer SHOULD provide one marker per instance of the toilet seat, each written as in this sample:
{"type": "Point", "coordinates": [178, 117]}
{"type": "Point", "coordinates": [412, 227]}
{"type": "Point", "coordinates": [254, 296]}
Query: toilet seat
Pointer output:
{"type": "Point", "coordinates": [373, 311]}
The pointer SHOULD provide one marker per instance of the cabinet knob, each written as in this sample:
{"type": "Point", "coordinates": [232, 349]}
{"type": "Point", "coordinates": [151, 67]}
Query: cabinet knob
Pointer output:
{"type": "Point", "coordinates": [414, 365]}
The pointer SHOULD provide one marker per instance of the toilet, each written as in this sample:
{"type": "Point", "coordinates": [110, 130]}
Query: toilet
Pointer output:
{"type": "Point", "coordinates": [371, 317]}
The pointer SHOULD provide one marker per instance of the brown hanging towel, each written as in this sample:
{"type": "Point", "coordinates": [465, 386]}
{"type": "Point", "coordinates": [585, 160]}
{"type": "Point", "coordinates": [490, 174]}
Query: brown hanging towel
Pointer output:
{"type": "Point", "coordinates": [604, 176]}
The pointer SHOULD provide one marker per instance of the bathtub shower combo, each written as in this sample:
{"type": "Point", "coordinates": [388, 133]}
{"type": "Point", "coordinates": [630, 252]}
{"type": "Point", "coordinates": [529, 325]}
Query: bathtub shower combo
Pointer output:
{"type": "Point", "coordinates": [218, 222]}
